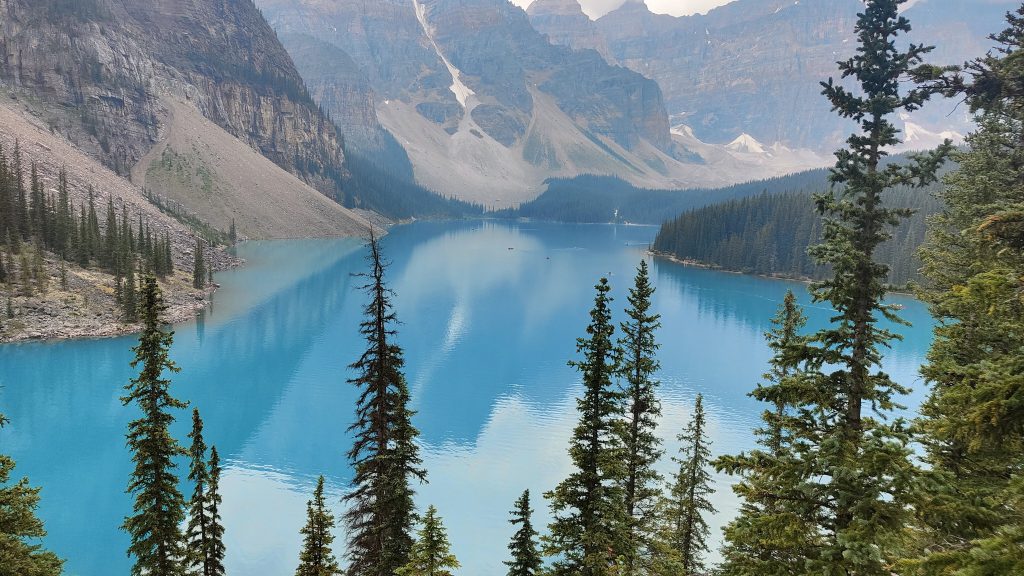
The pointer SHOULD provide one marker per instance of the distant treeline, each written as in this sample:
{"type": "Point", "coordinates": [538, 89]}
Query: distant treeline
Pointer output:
{"type": "Point", "coordinates": [601, 199]}
{"type": "Point", "coordinates": [770, 234]}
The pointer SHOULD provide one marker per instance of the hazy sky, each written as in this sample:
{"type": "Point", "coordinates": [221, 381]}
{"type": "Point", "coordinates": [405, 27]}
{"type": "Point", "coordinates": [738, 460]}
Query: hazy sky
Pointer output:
{"type": "Point", "coordinates": [597, 8]}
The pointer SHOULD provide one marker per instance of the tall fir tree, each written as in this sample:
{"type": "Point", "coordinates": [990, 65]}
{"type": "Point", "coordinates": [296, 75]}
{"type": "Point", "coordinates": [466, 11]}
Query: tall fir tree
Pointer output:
{"type": "Point", "coordinates": [20, 528]}
{"type": "Point", "coordinates": [198, 537]}
{"type": "Point", "coordinates": [159, 507]}
{"type": "Point", "coordinates": [431, 553]}
{"type": "Point", "coordinates": [199, 266]}
{"type": "Point", "coordinates": [215, 551]}
{"type": "Point", "coordinates": [317, 557]}
{"type": "Point", "coordinates": [526, 559]}
{"type": "Point", "coordinates": [641, 444]}
{"type": "Point", "coordinates": [970, 510]}
{"type": "Point", "coordinates": [774, 531]}
{"type": "Point", "coordinates": [588, 534]}
{"type": "Point", "coordinates": [384, 455]}
{"type": "Point", "coordinates": [685, 529]}
{"type": "Point", "coordinates": [851, 457]}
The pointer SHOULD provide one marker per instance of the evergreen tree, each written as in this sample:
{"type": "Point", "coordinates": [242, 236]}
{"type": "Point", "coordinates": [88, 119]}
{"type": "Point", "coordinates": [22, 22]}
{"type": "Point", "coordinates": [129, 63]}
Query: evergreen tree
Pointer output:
{"type": "Point", "coordinates": [774, 531]}
{"type": "Point", "coordinates": [215, 527]}
{"type": "Point", "coordinates": [19, 527]}
{"type": "Point", "coordinates": [853, 469]}
{"type": "Point", "coordinates": [159, 507]}
{"type": "Point", "coordinates": [129, 295]}
{"type": "Point", "coordinates": [385, 456]}
{"type": "Point", "coordinates": [970, 505]}
{"type": "Point", "coordinates": [198, 266]}
{"type": "Point", "coordinates": [526, 559]}
{"type": "Point", "coordinates": [198, 535]}
{"type": "Point", "coordinates": [233, 233]}
{"type": "Point", "coordinates": [642, 446]}
{"type": "Point", "coordinates": [685, 530]}
{"type": "Point", "coordinates": [317, 558]}
{"type": "Point", "coordinates": [431, 553]}
{"type": "Point", "coordinates": [588, 535]}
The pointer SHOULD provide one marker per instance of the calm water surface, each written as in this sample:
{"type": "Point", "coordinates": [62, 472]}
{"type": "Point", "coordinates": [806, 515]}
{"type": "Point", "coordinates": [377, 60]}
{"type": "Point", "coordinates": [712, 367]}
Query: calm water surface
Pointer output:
{"type": "Point", "coordinates": [490, 315]}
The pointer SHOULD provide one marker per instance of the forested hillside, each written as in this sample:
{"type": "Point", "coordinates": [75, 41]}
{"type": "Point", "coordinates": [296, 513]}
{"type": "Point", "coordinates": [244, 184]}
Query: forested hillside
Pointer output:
{"type": "Point", "coordinates": [770, 234]}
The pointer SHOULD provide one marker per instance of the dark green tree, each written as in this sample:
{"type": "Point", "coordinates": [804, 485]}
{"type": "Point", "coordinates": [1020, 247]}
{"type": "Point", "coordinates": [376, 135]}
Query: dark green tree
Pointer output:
{"type": "Point", "coordinates": [526, 559]}
{"type": "Point", "coordinates": [159, 508]}
{"type": "Point", "coordinates": [199, 266]}
{"type": "Point", "coordinates": [20, 555]}
{"type": "Point", "coordinates": [431, 553]}
{"type": "Point", "coordinates": [215, 526]}
{"type": "Point", "coordinates": [642, 446]}
{"type": "Point", "coordinates": [588, 535]}
{"type": "Point", "coordinates": [685, 528]}
{"type": "Point", "coordinates": [774, 531]}
{"type": "Point", "coordinates": [198, 536]}
{"type": "Point", "coordinates": [317, 557]}
{"type": "Point", "coordinates": [384, 455]}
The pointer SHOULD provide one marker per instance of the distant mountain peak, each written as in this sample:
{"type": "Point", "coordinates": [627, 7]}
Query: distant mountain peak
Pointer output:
{"type": "Point", "coordinates": [555, 8]}
{"type": "Point", "coordinates": [746, 143]}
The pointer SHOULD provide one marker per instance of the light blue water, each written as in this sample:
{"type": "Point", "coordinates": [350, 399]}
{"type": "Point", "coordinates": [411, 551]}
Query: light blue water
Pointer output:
{"type": "Point", "coordinates": [490, 315]}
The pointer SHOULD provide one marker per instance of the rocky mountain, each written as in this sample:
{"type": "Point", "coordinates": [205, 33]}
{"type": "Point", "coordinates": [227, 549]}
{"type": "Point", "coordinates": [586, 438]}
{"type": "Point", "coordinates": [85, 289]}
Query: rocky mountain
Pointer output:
{"type": "Point", "coordinates": [485, 107]}
{"type": "Point", "coordinates": [565, 24]}
{"type": "Point", "coordinates": [753, 66]}
{"type": "Point", "coordinates": [120, 78]}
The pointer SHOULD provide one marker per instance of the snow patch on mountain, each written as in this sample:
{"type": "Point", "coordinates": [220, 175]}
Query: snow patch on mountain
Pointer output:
{"type": "Point", "coordinates": [746, 143]}
{"type": "Point", "coordinates": [461, 91]}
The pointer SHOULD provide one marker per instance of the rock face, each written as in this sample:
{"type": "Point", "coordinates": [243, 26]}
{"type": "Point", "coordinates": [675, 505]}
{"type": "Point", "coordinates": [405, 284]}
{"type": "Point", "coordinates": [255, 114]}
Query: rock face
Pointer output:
{"type": "Point", "coordinates": [476, 95]}
{"type": "Point", "coordinates": [100, 70]}
{"type": "Point", "coordinates": [753, 66]}
{"type": "Point", "coordinates": [565, 24]}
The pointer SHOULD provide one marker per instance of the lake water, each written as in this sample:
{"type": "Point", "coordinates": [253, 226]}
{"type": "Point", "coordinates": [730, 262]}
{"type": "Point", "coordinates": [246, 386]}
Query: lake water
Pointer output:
{"type": "Point", "coordinates": [491, 312]}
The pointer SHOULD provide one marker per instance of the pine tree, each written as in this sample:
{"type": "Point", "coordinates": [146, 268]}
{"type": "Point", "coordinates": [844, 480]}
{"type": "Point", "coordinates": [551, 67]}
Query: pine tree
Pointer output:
{"type": "Point", "coordinates": [317, 558]}
{"type": "Point", "coordinates": [970, 505]}
{"type": "Point", "coordinates": [215, 527]}
{"type": "Point", "coordinates": [20, 555]}
{"type": "Point", "coordinates": [385, 456]}
{"type": "Point", "coordinates": [642, 446]}
{"type": "Point", "coordinates": [198, 537]}
{"type": "Point", "coordinates": [129, 294]}
{"type": "Point", "coordinates": [854, 467]}
{"type": "Point", "coordinates": [588, 533]}
{"type": "Point", "coordinates": [431, 553]}
{"type": "Point", "coordinates": [159, 507]}
{"type": "Point", "coordinates": [198, 266]}
{"type": "Point", "coordinates": [233, 233]}
{"type": "Point", "coordinates": [685, 528]}
{"type": "Point", "coordinates": [774, 531]}
{"type": "Point", "coordinates": [526, 559]}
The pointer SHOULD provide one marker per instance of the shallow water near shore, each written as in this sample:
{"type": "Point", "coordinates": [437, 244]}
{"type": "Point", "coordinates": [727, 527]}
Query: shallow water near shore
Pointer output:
{"type": "Point", "coordinates": [490, 314]}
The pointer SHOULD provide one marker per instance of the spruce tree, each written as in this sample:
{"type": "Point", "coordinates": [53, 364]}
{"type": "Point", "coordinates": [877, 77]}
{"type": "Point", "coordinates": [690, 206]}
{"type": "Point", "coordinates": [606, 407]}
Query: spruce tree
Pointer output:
{"type": "Point", "coordinates": [215, 526]}
{"type": "Point", "coordinates": [198, 266]}
{"type": "Point", "coordinates": [384, 455]}
{"type": "Point", "coordinates": [198, 537]}
{"type": "Point", "coordinates": [851, 458]}
{"type": "Point", "coordinates": [431, 553]}
{"type": "Point", "coordinates": [20, 529]}
{"type": "Point", "coordinates": [774, 531]}
{"type": "Point", "coordinates": [588, 535]}
{"type": "Point", "coordinates": [526, 559]}
{"type": "Point", "coordinates": [316, 557]}
{"type": "Point", "coordinates": [159, 507]}
{"type": "Point", "coordinates": [129, 294]}
{"type": "Point", "coordinates": [970, 505]}
{"type": "Point", "coordinates": [642, 447]}
{"type": "Point", "coordinates": [685, 528]}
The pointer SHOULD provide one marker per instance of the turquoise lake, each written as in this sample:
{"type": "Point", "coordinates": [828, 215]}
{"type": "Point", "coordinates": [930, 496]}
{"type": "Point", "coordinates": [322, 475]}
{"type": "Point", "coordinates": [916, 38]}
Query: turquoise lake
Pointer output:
{"type": "Point", "coordinates": [490, 311]}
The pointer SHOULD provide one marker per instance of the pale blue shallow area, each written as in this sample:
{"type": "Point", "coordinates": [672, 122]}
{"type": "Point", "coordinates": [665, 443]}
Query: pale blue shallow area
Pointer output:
{"type": "Point", "coordinates": [491, 312]}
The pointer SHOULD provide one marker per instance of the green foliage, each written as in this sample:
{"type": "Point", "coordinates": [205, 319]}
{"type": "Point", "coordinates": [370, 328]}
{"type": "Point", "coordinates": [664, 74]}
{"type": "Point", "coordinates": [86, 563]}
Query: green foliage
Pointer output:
{"type": "Point", "coordinates": [384, 455]}
{"type": "Point", "coordinates": [214, 552]}
{"type": "Point", "coordinates": [19, 527]}
{"type": "Point", "coordinates": [199, 265]}
{"type": "Point", "coordinates": [316, 557]}
{"type": "Point", "coordinates": [431, 553]}
{"type": "Point", "coordinates": [159, 507]}
{"type": "Point", "coordinates": [641, 445]}
{"type": "Point", "coordinates": [526, 559]}
{"type": "Point", "coordinates": [684, 531]}
{"type": "Point", "coordinates": [588, 533]}
{"type": "Point", "coordinates": [201, 540]}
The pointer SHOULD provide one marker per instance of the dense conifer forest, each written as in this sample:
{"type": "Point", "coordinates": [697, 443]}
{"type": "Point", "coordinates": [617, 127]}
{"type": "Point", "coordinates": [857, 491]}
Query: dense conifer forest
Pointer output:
{"type": "Point", "coordinates": [839, 484]}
